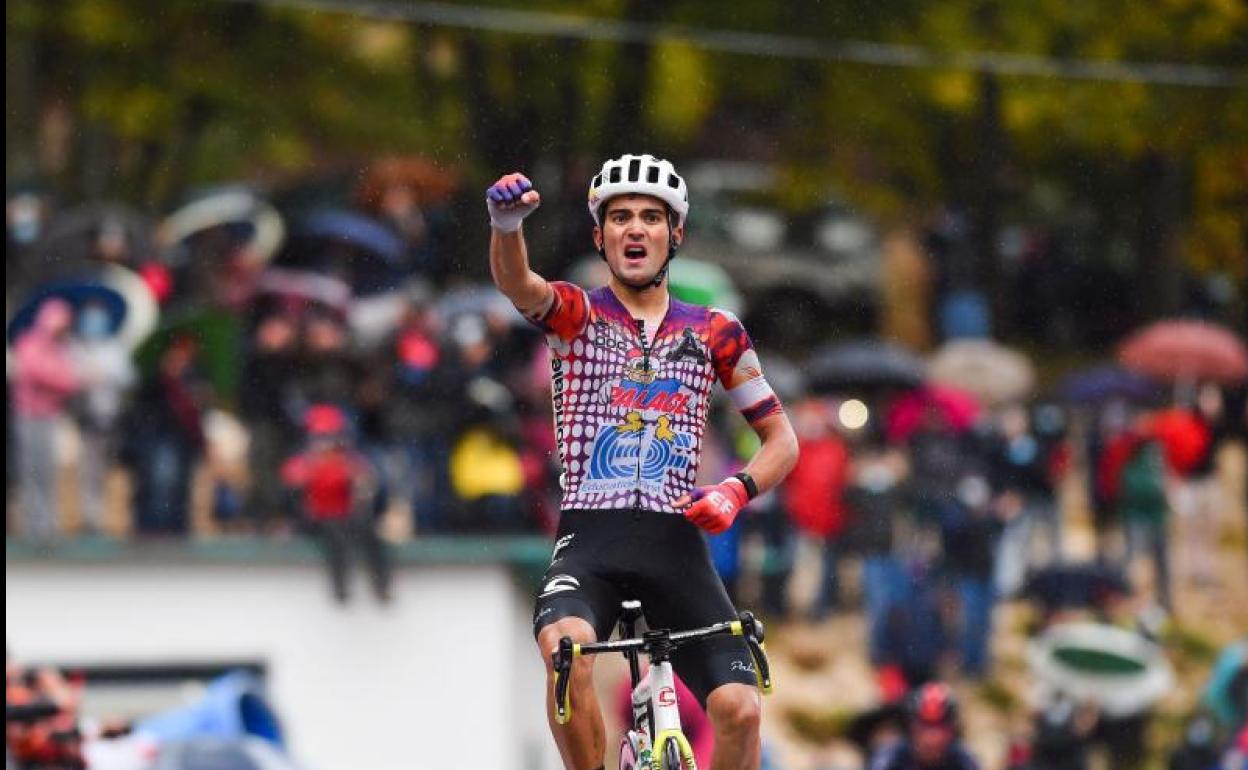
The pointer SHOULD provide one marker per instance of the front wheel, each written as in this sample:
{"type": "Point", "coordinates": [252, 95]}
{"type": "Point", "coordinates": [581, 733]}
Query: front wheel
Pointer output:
{"type": "Point", "coordinates": [671, 756]}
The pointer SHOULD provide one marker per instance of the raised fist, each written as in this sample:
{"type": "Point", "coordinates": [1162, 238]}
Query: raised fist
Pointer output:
{"type": "Point", "coordinates": [510, 200]}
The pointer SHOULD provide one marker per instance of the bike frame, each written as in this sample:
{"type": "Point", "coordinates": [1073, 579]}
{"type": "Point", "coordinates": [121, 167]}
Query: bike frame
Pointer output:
{"type": "Point", "coordinates": [656, 715]}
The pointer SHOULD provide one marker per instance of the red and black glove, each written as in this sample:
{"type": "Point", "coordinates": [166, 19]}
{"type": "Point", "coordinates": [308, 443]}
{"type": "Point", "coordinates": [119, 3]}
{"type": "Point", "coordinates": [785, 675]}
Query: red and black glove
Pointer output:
{"type": "Point", "coordinates": [715, 507]}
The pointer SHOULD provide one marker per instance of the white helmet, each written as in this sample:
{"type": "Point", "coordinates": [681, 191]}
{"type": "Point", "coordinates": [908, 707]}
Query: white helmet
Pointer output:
{"type": "Point", "coordinates": [640, 175]}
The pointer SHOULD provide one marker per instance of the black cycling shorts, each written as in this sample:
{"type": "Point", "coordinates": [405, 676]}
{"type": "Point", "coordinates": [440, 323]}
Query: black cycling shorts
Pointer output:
{"type": "Point", "coordinates": [604, 557]}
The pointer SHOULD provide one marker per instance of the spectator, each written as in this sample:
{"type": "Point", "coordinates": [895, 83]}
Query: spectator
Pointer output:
{"type": "Point", "coordinates": [107, 375]}
{"type": "Point", "coordinates": [1143, 510]}
{"type": "Point", "coordinates": [1063, 730]}
{"type": "Point", "coordinates": [914, 637]}
{"type": "Point", "coordinates": [265, 405]}
{"type": "Point", "coordinates": [425, 383]}
{"type": "Point", "coordinates": [337, 493]}
{"type": "Point", "coordinates": [1112, 422]}
{"type": "Point", "coordinates": [1199, 749]}
{"type": "Point", "coordinates": [873, 498]}
{"type": "Point", "coordinates": [43, 382]}
{"type": "Point", "coordinates": [969, 535]}
{"type": "Point", "coordinates": [46, 734]}
{"type": "Point", "coordinates": [933, 735]}
{"type": "Point", "coordinates": [1020, 473]}
{"type": "Point", "coordinates": [165, 437]}
{"type": "Point", "coordinates": [1198, 494]}
{"type": "Point", "coordinates": [813, 495]}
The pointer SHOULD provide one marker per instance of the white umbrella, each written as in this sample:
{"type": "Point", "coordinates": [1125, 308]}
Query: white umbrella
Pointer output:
{"type": "Point", "coordinates": [1121, 671]}
{"type": "Point", "coordinates": [994, 373]}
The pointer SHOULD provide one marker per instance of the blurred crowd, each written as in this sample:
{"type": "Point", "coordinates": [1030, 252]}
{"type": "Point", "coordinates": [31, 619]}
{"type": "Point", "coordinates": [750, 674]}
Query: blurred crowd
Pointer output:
{"type": "Point", "coordinates": [324, 370]}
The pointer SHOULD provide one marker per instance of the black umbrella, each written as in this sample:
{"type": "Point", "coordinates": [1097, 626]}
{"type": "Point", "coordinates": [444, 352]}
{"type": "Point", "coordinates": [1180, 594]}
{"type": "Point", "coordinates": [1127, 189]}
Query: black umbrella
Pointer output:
{"type": "Point", "coordinates": [1075, 585]}
{"type": "Point", "coordinates": [864, 365]}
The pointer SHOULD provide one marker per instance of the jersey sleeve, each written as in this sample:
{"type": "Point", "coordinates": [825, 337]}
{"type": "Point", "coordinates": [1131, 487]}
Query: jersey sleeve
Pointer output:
{"type": "Point", "coordinates": [567, 315]}
{"type": "Point", "coordinates": [737, 368]}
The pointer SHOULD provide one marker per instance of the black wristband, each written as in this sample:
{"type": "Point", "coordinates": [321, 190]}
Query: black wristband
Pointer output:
{"type": "Point", "coordinates": [751, 488]}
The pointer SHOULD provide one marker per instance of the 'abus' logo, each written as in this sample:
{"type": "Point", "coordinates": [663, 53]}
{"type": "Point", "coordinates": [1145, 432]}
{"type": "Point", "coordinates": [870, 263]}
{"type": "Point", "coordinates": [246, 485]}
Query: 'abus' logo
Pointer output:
{"type": "Point", "coordinates": [666, 697]}
{"type": "Point", "coordinates": [559, 584]}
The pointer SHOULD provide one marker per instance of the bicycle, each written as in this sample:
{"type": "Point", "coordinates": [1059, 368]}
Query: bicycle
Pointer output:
{"type": "Point", "coordinates": [656, 720]}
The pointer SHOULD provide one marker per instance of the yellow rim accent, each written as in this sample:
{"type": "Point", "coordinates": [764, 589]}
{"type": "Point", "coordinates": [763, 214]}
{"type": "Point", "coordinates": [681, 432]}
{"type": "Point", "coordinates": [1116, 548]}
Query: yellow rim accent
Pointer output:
{"type": "Point", "coordinates": [682, 743]}
{"type": "Point", "coordinates": [576, 650]}
{"type": "Point", "coordinates": [737, 630]}
{"type": "Point", "coordinates": [567, 710]}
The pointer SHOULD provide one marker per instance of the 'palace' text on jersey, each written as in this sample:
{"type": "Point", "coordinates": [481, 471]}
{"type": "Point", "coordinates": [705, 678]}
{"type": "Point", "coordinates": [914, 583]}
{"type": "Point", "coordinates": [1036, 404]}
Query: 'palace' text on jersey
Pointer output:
{"type": "Point", "coordinates": [629, 416]}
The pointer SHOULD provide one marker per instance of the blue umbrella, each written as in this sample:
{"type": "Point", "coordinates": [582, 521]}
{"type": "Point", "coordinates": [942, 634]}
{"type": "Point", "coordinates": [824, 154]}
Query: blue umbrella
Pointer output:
{"type": "Point", "coordinates": [78, 293]}
{"type": "Point", "coordinates": [355, 230]}
{"type": "Point", "coordinates": [357, 248]}
{"type": "Point", "coordinates": [1102, 383]}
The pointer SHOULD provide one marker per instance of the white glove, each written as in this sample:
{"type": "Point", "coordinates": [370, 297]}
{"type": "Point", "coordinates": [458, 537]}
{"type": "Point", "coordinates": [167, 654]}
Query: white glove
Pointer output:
{"type": "Point", "coordinates": [509, 201]}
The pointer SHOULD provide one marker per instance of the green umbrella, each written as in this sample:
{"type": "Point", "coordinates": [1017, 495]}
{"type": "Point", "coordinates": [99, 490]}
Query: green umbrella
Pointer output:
{"type": "Point", "coordinates": [218, 335]}
{"type": "Point", "coordinates": [703, 283]}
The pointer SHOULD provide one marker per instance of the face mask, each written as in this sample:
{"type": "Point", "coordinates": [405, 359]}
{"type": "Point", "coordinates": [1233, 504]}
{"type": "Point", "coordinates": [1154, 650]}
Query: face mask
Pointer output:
{"type": "Point", "coordinates": [94, 323]}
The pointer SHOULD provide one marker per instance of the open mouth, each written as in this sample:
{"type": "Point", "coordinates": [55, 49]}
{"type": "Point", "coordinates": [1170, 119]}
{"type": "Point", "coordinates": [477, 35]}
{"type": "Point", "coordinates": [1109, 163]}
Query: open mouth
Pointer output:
{"type": "Point", "coordinates": [635, 252]}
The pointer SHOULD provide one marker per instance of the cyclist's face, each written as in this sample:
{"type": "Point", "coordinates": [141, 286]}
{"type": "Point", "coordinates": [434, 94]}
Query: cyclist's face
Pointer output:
{"type": "Point", "coordinates": [634, 235]}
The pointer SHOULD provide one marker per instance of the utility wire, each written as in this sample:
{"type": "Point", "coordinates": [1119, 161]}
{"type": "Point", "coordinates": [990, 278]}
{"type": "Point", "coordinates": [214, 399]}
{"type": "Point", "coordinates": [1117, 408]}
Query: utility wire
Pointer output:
{"type": "Point", "coordinates": [509, 20]}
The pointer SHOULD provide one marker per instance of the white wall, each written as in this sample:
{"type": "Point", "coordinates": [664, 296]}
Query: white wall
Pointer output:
{"type": "Point", "coordinates": [446, 675]}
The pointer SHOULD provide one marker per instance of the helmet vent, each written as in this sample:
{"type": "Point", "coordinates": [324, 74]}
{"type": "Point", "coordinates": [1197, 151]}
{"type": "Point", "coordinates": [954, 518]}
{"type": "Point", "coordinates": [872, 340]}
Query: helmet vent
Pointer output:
{"type": "Point", "coordinates": [614, 176]}
{"type": "Point", "coordinates": [673, 181]}
{"type": "Point", "coordinates": [634, 169]}
{"type": "Point", "coordinates": [652, 175]}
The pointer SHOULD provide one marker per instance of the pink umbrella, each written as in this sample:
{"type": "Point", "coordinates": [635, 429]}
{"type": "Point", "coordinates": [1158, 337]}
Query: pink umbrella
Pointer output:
{"type": "Point", "coordinates": [1186, 350]}
{"type": "Point", "coordinates": [957, 408]}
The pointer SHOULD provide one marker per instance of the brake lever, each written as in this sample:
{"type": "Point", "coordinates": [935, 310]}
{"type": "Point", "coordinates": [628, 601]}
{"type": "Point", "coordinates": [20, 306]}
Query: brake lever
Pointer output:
{"type": "Point", "coordinates": [561, 660]}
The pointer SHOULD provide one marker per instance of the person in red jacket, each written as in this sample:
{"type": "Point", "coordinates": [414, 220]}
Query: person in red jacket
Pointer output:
{"type": "Point", "coordinates": [335, 487]}
{"type": "Point", "coordinates": [814, 490]}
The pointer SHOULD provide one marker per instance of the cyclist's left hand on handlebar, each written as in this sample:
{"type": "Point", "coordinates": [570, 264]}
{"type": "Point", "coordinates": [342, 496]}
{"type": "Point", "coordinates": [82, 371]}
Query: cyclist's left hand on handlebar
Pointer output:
{"type": "Point", "coordinates": [715, 507]}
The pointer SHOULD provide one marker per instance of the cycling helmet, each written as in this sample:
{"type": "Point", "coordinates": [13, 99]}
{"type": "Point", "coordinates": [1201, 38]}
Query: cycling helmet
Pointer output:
{"type": "Point", "coordinates": [641, 175]}
{"type": "Point", "coordinates": [933, 705]}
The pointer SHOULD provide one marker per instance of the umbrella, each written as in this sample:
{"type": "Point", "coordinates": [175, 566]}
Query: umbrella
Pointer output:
{"type": "Point", "coordinates": [994, 373]}
{"type": "Point", "coordinates": [1183, 436]}
{"type": "Point", "coordinates": [365, 252]}
{"type": "Point", "coordinates": [864, 365]}
{"type": "Point", "coordinates": [77, 294]}
{"type": "Point", "coordinates": [1186, 350]}
{"type": "Point", "coordinates": [1121, 671]}
{"type": "Point", "coordinates": [957, 408]}
{"type": "Point", "coordinates": [218, 335]}
{"type": "Point", "coordinates": [785, 378]}
{"type": "Point", "coordinates": [476, 299]}
{"type": "Point", "coordinates": [132, 309]}
{"type": "Point", "coordinates": [72, 236]}
{"type": "Point", "coordinates": [426, 181]}
{"type": "Point", "coordinates": [703, 283]}
{"type": "Point", "coordinates": [299, 290]}
{"type": "Point", "coordinates": [1106, 382]}
{"type": "Point", "coordinates": [1086, 585]}
{"type": "Point", "coordinates": [231, 206]}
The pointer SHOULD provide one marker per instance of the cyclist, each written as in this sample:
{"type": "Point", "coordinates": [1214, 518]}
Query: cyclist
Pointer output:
{"type": "Point", "coordinates": [932, 742]}
{"type": "Point", "coordinates": [632, 370]}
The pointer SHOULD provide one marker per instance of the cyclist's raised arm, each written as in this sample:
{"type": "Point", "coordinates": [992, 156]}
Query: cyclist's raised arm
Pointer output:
{"type": "Point", "coordinates": [509, 201]}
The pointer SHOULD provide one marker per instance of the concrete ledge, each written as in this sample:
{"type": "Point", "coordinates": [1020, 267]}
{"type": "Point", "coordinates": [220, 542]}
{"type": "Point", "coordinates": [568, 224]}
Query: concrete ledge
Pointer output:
{"type": "Point", "coordinates": [527, 554]}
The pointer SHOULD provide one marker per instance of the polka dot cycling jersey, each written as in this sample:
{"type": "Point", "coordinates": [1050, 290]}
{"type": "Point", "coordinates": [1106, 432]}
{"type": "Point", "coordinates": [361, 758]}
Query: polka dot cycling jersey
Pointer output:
{"type": "Point", "coordinates": [630, 414]}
